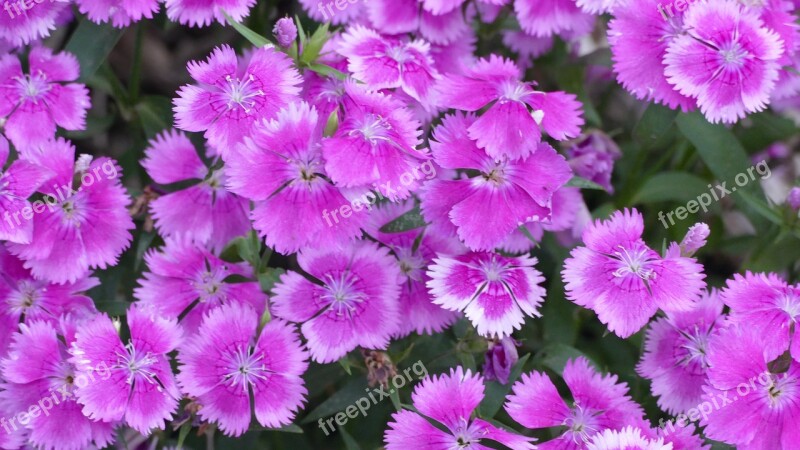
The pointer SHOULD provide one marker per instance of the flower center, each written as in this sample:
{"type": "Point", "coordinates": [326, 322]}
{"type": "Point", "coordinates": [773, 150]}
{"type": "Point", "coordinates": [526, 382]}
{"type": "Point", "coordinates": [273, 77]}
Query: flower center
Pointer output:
{"type": "Point", "coordinates": [734, 55]}
{"type": "Point", "coordinates": [241, 92]}
{"type": "Point", "coordinates": [634, 262]}
{"type": "Point", "coordinates": [209, 283]}
{"type": "Point", "coordinates": [790, 304]}
{"type": "Point", "coordinates": [25, 297]}
{"type": "Point", "coordinates": [582, 424]}
{"type": "Point", "coordinates": [373, 128]}
{"type": "Point", "coordinates": [342, 295]}
{"type": "Point", "coordinates": [245, 368]}
{"type": "Point", "coordinates": [695, 344]}
{"type": "Point", "coordinates": [32, 87]}
{"type": "Point", "coordinates": [136, 364]}
{"type": "Point", "coordinates": [514, 91]}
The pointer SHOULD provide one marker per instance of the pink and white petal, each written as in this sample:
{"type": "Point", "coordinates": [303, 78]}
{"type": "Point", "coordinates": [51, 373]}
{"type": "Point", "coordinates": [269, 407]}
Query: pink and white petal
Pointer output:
{"type": "Point", "coordinates": [535, 402]}
{"type": "Point", "coordinates": [171, 157]}
{"type": "Point", "coordinates": [450, 398]}
{"type": "Point", "coordinates": [562, 113]}
{"type": "Point", "coordinates": [507, 129]}
{"type": "Point", "coordinates": [407, 426]}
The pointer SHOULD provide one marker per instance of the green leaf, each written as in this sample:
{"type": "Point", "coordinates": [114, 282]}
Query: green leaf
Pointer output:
{"type": "Point", "coordinates": [409, 221]}
{"type": "Point", "coordinates": [349, 442]}
{"type": "Point", "coordinates": [332, 123]}
{"type": "Point", "coordinates": [155, 114]}
{"type": "Point", "coordinates": [496, 392]}
{"type": "Point", "coordinates": [269, 278]}
{"type": "Point", "coordinates": [185, 428]}
{"type": "Point", "coordinates": [555, 356]}
{"type": "Point", "coordinates": [249, 248]}
{"type": "Point", "coordinates": [314, 44]}
{"type": "Point", "coordinates": [671, 186]}
{"type": "Point", "coordinates": [527, 233]}
{"type": "Point", "coordinates": [254, 38]}
{"type": "Point", "coordinates": [91, 43]}
{"type": "Point", "coordinates": [345, 363]}
{"type": "Point", "coordinates": [340, 400]}
{"type": "Point", "coordinates": [583, 183]}
{"type": "Point", "coordinates": [327, 71]}
{"type": "Point", "coordinates": [654, 127]}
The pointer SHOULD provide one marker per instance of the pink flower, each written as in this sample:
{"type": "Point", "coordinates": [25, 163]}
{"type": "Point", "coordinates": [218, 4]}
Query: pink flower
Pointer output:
{"type": "Point", "coordinates": [120, 12]}
{"type": "Point", "coordinates": [140, 388]}
{"type": "Point", "coordinates": [415, 251]}
{"type": "Point", "coordinates": [387, 63]}
{"type": "Point", "coordinates": [17, 183]}
{"type": "Point", "coordinates": [485, 210]}
{"type": "Point", "coordinates": [353, 301]}
{"type": "Point", "coordinates": [628, 438]}
{"type": "Point", "coordinates": [599, 403]}
{"type": "Point", "coordinates": [34, 103]}
{"type": "Point", "coordinates": [562, 17]}
{"type": "Point", "coordinates": [450, 400]}
{"type": "Point", "coordinates": [205, 211]}
{"type": "Point", "coordinates": [758, 409]}
{"type": "Point", "coordinates": [281, 168]}
{"type": "Point", "coordinates": [624, 281]}
{"type": "Point", "coordinates": [770, 307]}
{"type": "Point", "coordinates": [230, 362]}
{"type": "Point", "coordinates": [85, 223]}
{"type": "Point", "coordinates": [406, 16]}
{"type": "Point", "coordinates": [495, 292]}
{"type": "Point", "coordinates": [675, 354]}
{"type": "Point", "coordinates": [21, 27]}
{"type": "Point", "coordinates": [285, 32]}
{"type": "Point", "coordinates": [592, 156]}
{"type": "Point", "coordinates": [201, 13]}
{"type": "Point", "coordinates": [727, 60]}
{"type": "Point", "coordinates": [509, 128]}
{"type": "Point", "coordinates": [186, 281]}
{"type": "Point", "coordinates": [232, 95]}
{"type": "Point", "coordinates": [375, 145]}
{"type": "Point", "coordinates": [38, 372]}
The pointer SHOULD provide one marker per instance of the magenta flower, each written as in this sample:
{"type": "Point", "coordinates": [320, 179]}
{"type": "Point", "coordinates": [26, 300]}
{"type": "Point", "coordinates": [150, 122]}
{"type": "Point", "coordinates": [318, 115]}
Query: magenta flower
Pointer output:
{"type": "Point", "coordinates": [406, 16]}
{"type": "Point", "coordinates": [483, 211]}
{"type": "Point", "coordinates": [38, 372]}
{"type": "Point", "coordinates": [500, 359]}
{"type": "Point", "coordinates": [758, 409]}
{"type": "Point", "coordinates": [21, 27]}
{"type": "Point", "coordinates": [140, 387]}
{"type": "Point", "coordinates": [205, 212]}
{"type": "Point", "coordinates": [561, 17]}
{"type": "Point", "coordinates": [85, 223]}
{"type": "Point", "coordinates": [330, 12]}
{"type": "Point", "coordinates": [592, 156]}
{"type": "Point", "coordinates": [387, 63]}
{"type": "Point", "coordinates": [34, 103]}
{"type": "Point", "coordinates": [17, 183]}
{"type": "Point", "coordinates": [727, 60]}
{"type": "Point", "coordinates": [121, 13]}
{"type": "Point", "coordinates": [201, 13]}
{"type": "Point", "coordinates": [510, 127]}
{"type": "Point", "coordinates": [25, 298]}
{"type": "Point", "coordinates": [230, 362]}
{"type": "Point", "coordinates": [495, 292]}
{"type": "Point", "coordinates": [353, 301]}
{"type": "Point", "coordinates": [599, 402]}
{"type": "Point", "coordinates": [375, 145]}
{"type": "Point", "coordinates": [624, 281]}
{"type": "Point", "coordinates": [675, 358]}
{"type": "Point", "coordinates": [695, 239]}
{"type": "Point", "coordinates": [638, 36]}
{"type": "Point", "coordinates": [628, 438]}
{"type": "Point", "coordinates": [232, 95]}
{"type": "Point", "coordinates": [185, 281]}
{"type": "Point", "coordinates": [768, 305]}
{"type": "Point", "coordinates": [415, 251]}
{"type": "Point", "coordinates": [281, 168]}
{"type": "Point", "coordinates": [450, 400]}
{"type": "Point", "coordinates": [285, 32]}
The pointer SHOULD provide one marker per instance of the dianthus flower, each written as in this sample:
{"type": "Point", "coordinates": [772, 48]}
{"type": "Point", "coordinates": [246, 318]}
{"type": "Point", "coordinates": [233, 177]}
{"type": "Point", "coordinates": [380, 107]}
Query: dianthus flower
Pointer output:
{"type": "Point", "coordinates": [121, 13]}
{"type": "Point", "coordinates": [201, 13]}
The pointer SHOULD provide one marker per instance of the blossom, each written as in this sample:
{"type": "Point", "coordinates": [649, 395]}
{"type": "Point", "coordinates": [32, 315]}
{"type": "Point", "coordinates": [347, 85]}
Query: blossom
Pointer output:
{"type": "Point", "coordinates": [500, 359]}
{"type": "Point", "coordinates": [562, 17]}
{"type": "Point", "coordinates": [201, 13]}
{"type": "Point", "coordinates": [450, 400]}
{"type": "Point", "coordinates": [624, 281]}
{"type": "Point", "coordinates": [508, 128]}
{"type": "Point", "coordinates": [205, 211]}
{"type": "Point", "coordinates": [34, 103]}
{"type": "Point", "coordinates": [86, 222]}
{"type": "Point", "coordinates": [768, 305]}
{"type": "Point", "coordinates": [17, 183]}
{"type": "Point", "coordinates": [330, 11]}
{"type": "Point", "coordinates": [120, 13]}
{"type": "Point", "coordinates": [638, 36]}
{"type": "Point", "coordinates": [354, 301]}
{"type": "Point", "coordinates": [375, 143]}
{"type": "Point", "coordinates": [384, 62]}
{"type": "Point", "coordinates": [483, 211]}
{"type": "Point", "coordinates": [793, 198]}
{"type": "Point", "coordinates": [599, 403]}
{"type": "Point", "coordinates": [695, 239]}
{"type": "Point", "coordinates": [285, 32]}
{"type": "Point", "coordinates": [140, 388]}
{"type": "Point", "coordinates": [406, 16]}
{"type": "Point", "coordinates": [596, 6]}
{"type": "Point", "coordinates": [229, 362]}
{"type": "Point", "coordinates": [726, 60]}
{"type": "Point", "coordinates": [21, 27]}
{"type": "Point", "coordinates": [38, 372]}
{"type": "Point", "coordinates": [675, 358]}
{"type": "Point", "coordinates": [233, 95]}
{"type": "Point", "coordinates": [495, 292]}
{"type": "Point", "coordinates": [759, 409]}
{"type": "Point", "coordinates": [415, 250]}
{"type": "Point", "coordinates": [185, 281]}
{"type": "Point", "coordinates": [592, 157]}
{"type": "Point", "coordinates": [280, 167]}
{"type": "Point", "coordinates": [628, 438]}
